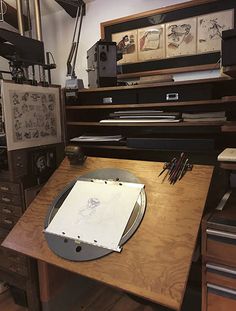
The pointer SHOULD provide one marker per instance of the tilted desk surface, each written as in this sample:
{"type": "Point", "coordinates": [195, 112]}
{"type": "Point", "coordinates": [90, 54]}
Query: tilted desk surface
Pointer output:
{"type": "Point", "coordinates": [155, 262]}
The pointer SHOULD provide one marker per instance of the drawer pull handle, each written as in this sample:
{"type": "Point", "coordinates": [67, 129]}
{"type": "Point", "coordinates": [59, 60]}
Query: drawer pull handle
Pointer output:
{"type": "Point", "coordinates": [9, 222]}
{"type": "Point", "coordinates": [222, 289]}
{"type": "Point", "coordinates": [220, 269]}
{"type": "Point", "coordinates": [4, 188]}
{"type": "Point", "coordinates": [7, 211]}
{"type": "Point", "coordinates": [172, 96]}
{"type": "Point", "coordinates": [6, 199]}
{"type": "Point", "coordinates": [221, 234]}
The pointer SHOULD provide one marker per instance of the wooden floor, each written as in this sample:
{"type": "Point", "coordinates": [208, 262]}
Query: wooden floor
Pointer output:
{"type": "Point", "coordinates": [103, 299]}
{"type": "Point", "coordinates": [7, 303]}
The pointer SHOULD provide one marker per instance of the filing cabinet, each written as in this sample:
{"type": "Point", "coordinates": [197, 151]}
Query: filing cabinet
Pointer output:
{"type": "Point", "coordinates": [219, 258]}
{"type": "Point", "coordinates": [16, 269]}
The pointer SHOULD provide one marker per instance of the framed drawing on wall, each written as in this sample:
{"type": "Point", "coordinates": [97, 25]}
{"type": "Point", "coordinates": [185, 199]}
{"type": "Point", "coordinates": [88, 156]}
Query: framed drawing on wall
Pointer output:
{"type": "Point", "coordinates": [179, 38]}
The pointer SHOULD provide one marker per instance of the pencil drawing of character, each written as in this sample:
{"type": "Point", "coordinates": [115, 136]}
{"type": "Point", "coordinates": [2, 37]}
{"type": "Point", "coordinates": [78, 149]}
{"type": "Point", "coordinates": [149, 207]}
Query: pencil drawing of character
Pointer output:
{"type": "Point", "coordinates": [25, 97]}
{"type": "Point", "coordinates": [25, 108]}
{"type": "Point", "coordinates": [28, 124]}
{"type": "Point", "coordinates": [91, 207]}
{"type": "Point", "coordinates": [16, 112]}
{"type": "Point", "coordinates": [213, 28]}
{"type": "Point", "coordinates": [35, 134]}
{"type": "Point", "coordinates": [51, 106]}
{"type": "Point", "coordinates": [15, 99]}
{"type": "Point", "coordinates": [27, 135]}
{"type": "Point", "coordinates": [17, 125]}
{"type": "Point", "coordinates": [35, 97]}
{"type": "Point", "coordinates": [18, 135]}
{"type": "Point", "coordinates": [44, 98]}
{"type": "Point", "coordinates": [179, 34]}
{"type": "Point", "coordinates": [51, 98]}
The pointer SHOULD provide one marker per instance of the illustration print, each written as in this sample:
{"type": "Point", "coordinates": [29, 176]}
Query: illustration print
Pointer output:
{"type": "Point", "coordinates": [210, 29]}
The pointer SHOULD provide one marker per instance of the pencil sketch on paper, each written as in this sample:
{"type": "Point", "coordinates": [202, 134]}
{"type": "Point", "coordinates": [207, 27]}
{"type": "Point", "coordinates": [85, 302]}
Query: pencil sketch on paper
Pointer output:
{"type": "Point", "coordinates": [181, 37]}
{"type": "Point", "coordinates": [32, 115]}
{"type": "Point", "coordinates": [127, 45]}
{"type": "Point", "coordinates": [151, 43]}
{"type": "Point", "coordinates": [92, 205]}
{"type": "Point", "coordinates": [210, 29]}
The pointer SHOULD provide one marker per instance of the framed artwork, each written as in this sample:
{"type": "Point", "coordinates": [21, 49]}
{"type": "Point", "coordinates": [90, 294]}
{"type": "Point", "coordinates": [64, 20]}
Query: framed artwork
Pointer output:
{"type": "Point", "coordinates": [31, 115]}
{"type": "Point", "coordinates": [179, 38]}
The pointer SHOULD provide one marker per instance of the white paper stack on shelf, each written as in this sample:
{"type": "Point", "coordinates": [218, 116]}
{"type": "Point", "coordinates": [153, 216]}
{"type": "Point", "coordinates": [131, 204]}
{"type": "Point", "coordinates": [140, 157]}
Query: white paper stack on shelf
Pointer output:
{"type": "Point", "coordinates": [97, 138]}
{"type": "Point", "coordinates": [204, 116]}
{"type": "Point", "coordinates": [228, 155]}
{"type": "Point", "coordinates": [96, 212]}
{"type": "Point", "coordinates": [142, 116]}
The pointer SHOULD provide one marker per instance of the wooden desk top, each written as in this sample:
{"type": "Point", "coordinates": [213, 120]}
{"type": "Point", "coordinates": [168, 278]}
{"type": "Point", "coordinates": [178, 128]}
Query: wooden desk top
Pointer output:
{"type": "Point", "coordinates": [155, 262]}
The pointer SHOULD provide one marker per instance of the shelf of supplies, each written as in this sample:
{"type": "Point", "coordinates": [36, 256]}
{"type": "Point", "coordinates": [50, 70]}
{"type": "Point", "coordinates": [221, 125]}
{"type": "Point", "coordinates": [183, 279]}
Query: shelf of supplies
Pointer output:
{"type": "Point", "coordinates": [153, 85]}
{"type": "Point", "coordinates": [223, 101]}
{"type": "Point", "coordinates": [150, 124]}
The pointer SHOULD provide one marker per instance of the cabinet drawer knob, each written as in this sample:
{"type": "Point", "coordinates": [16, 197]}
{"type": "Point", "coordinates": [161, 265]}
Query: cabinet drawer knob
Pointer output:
{"type": "Point", "coordinates": [220, 269]}
{"type": "Point", "coordinates": [6, 199]}
{"type": "Point", "coordinates": [4, 188]}
{"type": "Point", "coordinates": [221, 234]}
{"type": "Point", "coordinates": [8, 222]}
{"type": "Point", "coordinates": [222, 291]}
{"type": "Point", "coordinates": [7, 211]}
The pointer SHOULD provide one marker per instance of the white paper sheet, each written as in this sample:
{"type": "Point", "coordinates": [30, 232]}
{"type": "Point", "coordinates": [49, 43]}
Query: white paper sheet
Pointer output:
{"type": "Point", "coordinates": [96, 212]}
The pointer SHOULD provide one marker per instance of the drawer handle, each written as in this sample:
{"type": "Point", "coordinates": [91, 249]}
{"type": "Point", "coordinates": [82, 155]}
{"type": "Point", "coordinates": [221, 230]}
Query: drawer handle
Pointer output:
{"type": "Point", "coordinates": [220, 269]}
{"type": "Point", "coordinates": [221, 234]}
{"type": "Point", "coordinates": [223, 290]}
{"type": "Point", "coordinates": [6, 199]}
{"type": "Point", "coordinates": [172, 96]}
{"type": "Point", "coordinates": [7, 211]}
{"type": "Point", "coordinates": [9, 222]}
{"type": "Point", "coordinates": [4, 188]}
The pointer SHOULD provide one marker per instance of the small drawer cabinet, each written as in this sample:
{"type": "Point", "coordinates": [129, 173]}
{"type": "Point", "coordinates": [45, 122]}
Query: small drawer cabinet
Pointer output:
{"type": "Point", "coordinates": [16, 269]}
{"type": "Point", "coordinates": [219, 259]}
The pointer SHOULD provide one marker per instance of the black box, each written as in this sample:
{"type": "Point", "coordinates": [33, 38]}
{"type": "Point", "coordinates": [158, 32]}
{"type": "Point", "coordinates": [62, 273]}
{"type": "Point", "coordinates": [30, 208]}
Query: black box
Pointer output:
{"type": "Point", "coordinates": [229, 47]}
{"type": "Point", "coordinates": [101, 59]}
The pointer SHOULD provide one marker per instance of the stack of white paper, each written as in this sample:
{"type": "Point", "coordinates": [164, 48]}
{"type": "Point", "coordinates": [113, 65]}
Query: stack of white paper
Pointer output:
{"type": "Point", "coordinates": [96, 212]}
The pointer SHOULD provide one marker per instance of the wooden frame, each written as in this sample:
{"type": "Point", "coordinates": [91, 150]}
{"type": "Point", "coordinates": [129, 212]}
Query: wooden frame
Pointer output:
{"type": "Point", "coordinates": [174, 13]}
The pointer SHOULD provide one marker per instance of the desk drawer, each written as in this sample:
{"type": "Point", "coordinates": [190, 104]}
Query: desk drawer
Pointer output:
{"type": "Point", "coordinates": [220, 298]}
{"type": "Point", "coordinates": [9, 198]}
{"type": "Point", "coordinates": [9, 187]}
{"type": "Point", "coordinates": [221, 275]}
{"type": "Point", "coordinates": [12, 261]}
{"type": "Point", "coordinates": [8, 221]}
{"type": "Point", "coordinates": [221, 245]}
{"type": "Point", "coordinates": [10, 210]}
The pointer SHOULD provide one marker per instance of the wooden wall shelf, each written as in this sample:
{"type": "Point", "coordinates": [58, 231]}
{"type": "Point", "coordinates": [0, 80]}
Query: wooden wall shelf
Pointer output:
{"type": "Point", "coordinates": [223, 101]}
{"type": "Point", "coordinates": [205, 95]}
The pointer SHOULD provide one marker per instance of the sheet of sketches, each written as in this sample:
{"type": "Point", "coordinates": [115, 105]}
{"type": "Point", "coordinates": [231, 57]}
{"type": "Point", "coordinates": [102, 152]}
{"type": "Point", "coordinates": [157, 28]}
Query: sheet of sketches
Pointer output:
{"type": "Point", "coordinates": [151, 43]}
{"type": "Point", "coordinates": [210, 29]}
{"type": "Point", "coordinates": [127, 44]}
{"type": "Point", "coordinates": [181, 37]}
{"type": "Point", "coordinates": [32, 115]}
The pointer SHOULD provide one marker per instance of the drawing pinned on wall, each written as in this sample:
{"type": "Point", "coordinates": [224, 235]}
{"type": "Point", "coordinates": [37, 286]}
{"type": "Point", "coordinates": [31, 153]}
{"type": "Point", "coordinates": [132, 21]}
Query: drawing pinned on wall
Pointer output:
{"type": "Point", "coordinates": [151, 43]}
{"type": "Point", "coordinates": [127, 45]}
{"type": "Point", "coordinates": [210, 29]}
{"type": "Point", "coordinates": [181, 37]}
{"type": "Point", "coordinates": [32, 115]}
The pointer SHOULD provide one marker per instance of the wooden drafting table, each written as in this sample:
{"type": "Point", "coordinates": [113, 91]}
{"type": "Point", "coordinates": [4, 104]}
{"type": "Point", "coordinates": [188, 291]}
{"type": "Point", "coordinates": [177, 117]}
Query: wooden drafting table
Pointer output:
{"type": "Point", "coordinates": [155, 262]}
